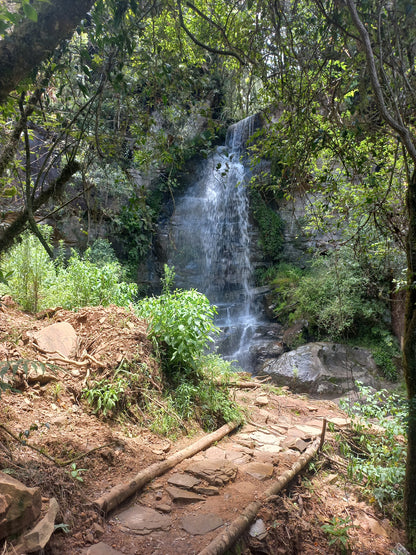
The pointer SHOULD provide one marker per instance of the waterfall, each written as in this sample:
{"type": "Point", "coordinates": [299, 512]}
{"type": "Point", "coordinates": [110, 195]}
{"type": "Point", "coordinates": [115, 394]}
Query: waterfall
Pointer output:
{"type": "Point", "coordinates": [210, 237]}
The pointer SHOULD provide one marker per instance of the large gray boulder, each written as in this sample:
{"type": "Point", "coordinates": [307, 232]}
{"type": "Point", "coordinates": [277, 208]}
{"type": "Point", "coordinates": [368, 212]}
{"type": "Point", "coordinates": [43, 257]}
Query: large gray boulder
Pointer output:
{"type": "Point", "coordinates": [323, 369]}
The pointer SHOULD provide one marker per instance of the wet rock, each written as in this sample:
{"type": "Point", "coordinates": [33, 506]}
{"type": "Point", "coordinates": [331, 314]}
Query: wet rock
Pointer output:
{"type": "Point", "coordinates": [296, 334]}
{"type": "Point", "coordinates": [180, 495]}
{"type": "Point", "coordinates": [36, 539]}
{"type": "Point", "coordinates": [19, 505]}
{"type": "Point", "coordinates": [201, 524]}
{"type": "Point", "coordinates": [325, 369]}
{"type": "Point", "coordinates": [216, 472]}
{"type": "Point", "coordinates": [183, 481]}
{"type": "Point", "coordinates": [143, 520]}
{"type": "Point", "coordinates": [57, 338]}
{"type": "Point", "coordinates": [260, 471]}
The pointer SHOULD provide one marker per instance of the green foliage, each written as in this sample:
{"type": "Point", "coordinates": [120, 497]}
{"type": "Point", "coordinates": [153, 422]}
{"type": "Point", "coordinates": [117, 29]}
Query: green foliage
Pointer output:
{"type": "Point", "coordinates": [75, 472]}
{"type": "Point", "coordinates": [270, 226]}
{"type": "Point", "coordinates": [207, 399]}
{"type": "Point", "coordinates": [101, 252]}
{"type": "Point", "coordinates": [36, 282]}
{"type": "Point", "coordinates": [284, 280]}
{"type": "Point", "coordinates": [377, 459]}
{"type": "Point", "coordinates": [84, 283]}
{"type": "Point", "coordinates": [337, 531]}
{"type": "Point", "coordinates": [181, 322]}
{"type": "Point", "coordinates": [30, 272]}
{"type": "Point", "coordinates": [335, 295]}
{"type": "Point", "coordinates": [106, 395]}
{"type": "Point", "coordinates": [384, 348]}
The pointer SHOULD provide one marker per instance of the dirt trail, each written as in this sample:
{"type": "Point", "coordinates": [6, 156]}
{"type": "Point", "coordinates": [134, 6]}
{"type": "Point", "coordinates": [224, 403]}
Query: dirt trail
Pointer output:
{"type": "Point", "coordinates": [181, 511]}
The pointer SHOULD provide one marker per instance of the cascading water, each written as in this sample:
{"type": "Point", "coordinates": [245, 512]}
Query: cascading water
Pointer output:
{"type": "Point", "coordinates": [210, 237]}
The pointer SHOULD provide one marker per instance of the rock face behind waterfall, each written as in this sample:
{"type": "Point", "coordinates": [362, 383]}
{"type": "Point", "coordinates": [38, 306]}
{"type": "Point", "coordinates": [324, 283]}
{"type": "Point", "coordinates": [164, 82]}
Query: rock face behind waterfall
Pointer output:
{"type": "Point", "coordinates": [323, 369]}
{"type": "Point", "coordinates": [211, 242]}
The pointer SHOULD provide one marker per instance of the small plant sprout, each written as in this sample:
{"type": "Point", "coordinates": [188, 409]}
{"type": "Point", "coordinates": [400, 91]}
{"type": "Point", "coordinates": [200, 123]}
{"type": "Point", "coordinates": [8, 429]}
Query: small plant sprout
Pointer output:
{"type": "Point", "coordinates": [337, 530]}
{"type": "Point", "coordinates": [75, 472]}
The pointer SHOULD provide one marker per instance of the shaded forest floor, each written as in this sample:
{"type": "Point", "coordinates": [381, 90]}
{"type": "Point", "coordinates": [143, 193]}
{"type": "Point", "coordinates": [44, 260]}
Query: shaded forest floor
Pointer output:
{"type": "Point", "coordinates": [49, 413]}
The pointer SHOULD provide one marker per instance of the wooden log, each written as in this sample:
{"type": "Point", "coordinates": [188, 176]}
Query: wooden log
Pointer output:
{"type": "Point", "coordinates": [110, 500]}
{"type": "Point", "coordinates": [227, 539]}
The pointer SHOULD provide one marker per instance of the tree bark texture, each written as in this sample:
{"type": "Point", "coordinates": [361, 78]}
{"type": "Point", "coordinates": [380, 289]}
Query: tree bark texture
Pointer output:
{"type": "Point", "coordinates": [409, 365]}
{"type": "Point", "coordinates": [32, 42]}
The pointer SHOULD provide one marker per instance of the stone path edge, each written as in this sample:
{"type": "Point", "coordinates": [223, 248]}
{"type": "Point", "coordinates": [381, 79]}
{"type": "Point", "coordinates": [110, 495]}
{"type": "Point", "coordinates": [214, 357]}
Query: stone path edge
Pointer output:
{"type": "Point", "coordinates": [227, 539]}
{"type": "Point", "coordinates": [119, 493]}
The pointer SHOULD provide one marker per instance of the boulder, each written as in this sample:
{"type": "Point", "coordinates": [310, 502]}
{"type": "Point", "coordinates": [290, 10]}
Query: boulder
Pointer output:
{"type": "Point", "coordinates": [35, 540]}
{"type": "Point", "coordinates": [58, 338]}
{"type": "Point", "coordinates": [323, 369]}
{"type": "Point", "coordinates": [19, 505]}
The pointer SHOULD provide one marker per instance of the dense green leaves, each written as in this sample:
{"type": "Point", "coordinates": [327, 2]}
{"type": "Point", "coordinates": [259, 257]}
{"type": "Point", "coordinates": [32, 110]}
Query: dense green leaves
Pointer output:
{"type": "Point", "coordinates": [182, 324]}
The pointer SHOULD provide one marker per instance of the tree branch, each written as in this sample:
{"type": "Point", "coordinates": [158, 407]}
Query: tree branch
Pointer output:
{"type": "Point", "coordinates": [205, 46]}
{"type": "Point", "coordinates": [55, 189]}
{"type": "Point", "coordinates": [403, 131]}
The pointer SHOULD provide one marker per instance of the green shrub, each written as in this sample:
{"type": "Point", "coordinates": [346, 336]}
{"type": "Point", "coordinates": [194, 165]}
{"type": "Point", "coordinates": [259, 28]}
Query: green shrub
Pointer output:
{"type": "Point", "coordinates": [376, 459]}
{"type": "Point", "coordinates": [30, 272]}
{"type": "Point", "coordinates": [335, 295]}
{"type": "Point", "coordinates": [84, 283]}
{"type": "Point", "coordinates": [270, 226]}
{"type": "Point", "coordinates": [36, 282]}
{"type": "Point", "coordinates": [181, 322]}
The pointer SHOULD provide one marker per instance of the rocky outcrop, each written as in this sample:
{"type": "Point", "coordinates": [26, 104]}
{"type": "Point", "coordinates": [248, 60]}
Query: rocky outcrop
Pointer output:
{"type": "Point", "coordinates": [35, 540]}
{"type": "Point", "coordinates": [323, 369]}
{"type": "Point", "coordinates": [19, 505]}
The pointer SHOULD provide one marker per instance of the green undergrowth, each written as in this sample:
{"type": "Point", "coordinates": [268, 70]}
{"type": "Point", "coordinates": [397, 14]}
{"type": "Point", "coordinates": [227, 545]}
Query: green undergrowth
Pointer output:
{"type": "Point", "coordinates": [37, 282]}
{"type": "Point", "coordinates": [340, 300]}
{"type": "Point", "coordinates": [376, 448]}
{"type": "Point", "coordinates": [193, 386]}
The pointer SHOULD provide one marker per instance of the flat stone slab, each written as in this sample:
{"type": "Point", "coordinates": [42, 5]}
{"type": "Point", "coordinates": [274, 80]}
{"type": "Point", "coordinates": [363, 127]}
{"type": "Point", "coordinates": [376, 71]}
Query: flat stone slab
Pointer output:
{"type": "Point", "coordinates": [260, 471]}
{"type": "Point", "coordinates": [183, 481]}
{"type": "Point", "coordinates": [216, 472]}
{"type": "Point", "coordinates": [180, 495]}
{"type": "Point", "coordinates": [143, 520]}
{"type": "Point", "coordinates": [101, 549]}
{"type": "Point", "coordinates": [296, 443]}
{"type": "Point", "coordinates": [198, 525]}
{"type": "Point", "coordinates": [261, 400]}
{"type": "Point", "coordinates": [309, 430]}
{"type": "Point", "coordinates": [207, 490]}
{"type": "Point", "coordinates": [237, 457]}
{"type": "Point", "coordinates": [60, 337]}
{"type": "Point", "coordinates": [266, 439]}
{"type": "Point", "coordinates": [272, 449]}
{"type": "Point", "coordinates": [215, 452]}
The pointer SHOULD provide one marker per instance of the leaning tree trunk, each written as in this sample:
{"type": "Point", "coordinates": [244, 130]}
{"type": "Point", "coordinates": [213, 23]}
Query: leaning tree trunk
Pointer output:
{"type": "Point", "coordinates": [32, 42]}
{"type": "Point", "coordinates": [409, 364]}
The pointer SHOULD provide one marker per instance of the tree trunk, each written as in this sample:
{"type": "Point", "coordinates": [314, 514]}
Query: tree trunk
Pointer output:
{"type": "Point", "coordinates": [409, 365]}
{"type": "Point", "coordinates": [32, 42]}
